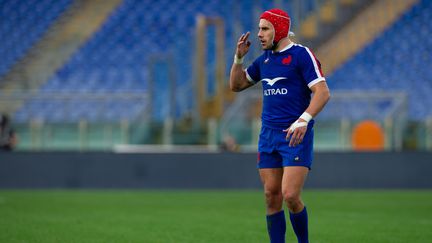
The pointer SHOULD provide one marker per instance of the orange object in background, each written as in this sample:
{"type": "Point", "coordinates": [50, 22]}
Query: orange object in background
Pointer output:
{"type": "Point", "coordinates": [368, 136]}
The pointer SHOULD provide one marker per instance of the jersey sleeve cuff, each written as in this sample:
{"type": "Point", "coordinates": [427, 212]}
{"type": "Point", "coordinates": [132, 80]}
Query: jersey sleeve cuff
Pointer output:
{"type": "Point", "coordinates": [249, 77]}
{"type": "Point", "coordinates": [315, 81]}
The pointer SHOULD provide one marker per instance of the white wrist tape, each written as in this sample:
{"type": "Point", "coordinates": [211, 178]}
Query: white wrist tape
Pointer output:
{"type": "Point", "coordinates": [306, 116]}
{"type": "Point", "coordinates": [296, 125]}
{"type": "Point", "coordinates": [238, 60]}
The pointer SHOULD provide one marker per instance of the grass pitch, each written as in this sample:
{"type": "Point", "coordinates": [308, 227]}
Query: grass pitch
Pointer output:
{"type": "Point", "coordinates": [208, 216]}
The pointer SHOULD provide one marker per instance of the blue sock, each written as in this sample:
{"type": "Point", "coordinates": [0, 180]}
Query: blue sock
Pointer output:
{"type": "Point", "coordinates": [276, 227]}
{"type": "Point", "coordinates": [299, 223]}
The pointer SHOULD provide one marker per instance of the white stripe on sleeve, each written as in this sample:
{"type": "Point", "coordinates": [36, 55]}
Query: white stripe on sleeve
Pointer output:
{"type": "Point", "coordinates": [249, 77]}
{"type": "Point", "coordinates": [315, 81]}
{"type": "Point", "coordinates": [317, 71]}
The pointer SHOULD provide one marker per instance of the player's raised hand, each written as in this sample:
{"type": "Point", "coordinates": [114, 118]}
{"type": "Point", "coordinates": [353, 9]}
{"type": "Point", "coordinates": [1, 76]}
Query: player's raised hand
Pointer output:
{"type": "Point", "coordinates": [243, 45]}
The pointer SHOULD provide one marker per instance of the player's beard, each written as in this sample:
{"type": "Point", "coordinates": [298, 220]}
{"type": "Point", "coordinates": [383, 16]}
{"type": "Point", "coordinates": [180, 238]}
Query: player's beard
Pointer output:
{"type": "Point", "coordinates": [267, 46]}
{"type": "Point", "coordinates": [270, 45]}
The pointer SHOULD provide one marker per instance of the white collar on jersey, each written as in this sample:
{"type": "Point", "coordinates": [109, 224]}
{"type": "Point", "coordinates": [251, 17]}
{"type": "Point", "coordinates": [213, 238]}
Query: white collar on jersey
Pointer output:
{"type": "Point", "coordinates": [287, 47]}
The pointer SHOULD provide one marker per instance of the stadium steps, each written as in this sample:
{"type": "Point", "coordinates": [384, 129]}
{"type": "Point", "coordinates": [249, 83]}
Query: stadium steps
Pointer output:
{"type": "Point", "coordinates": [327, 20]}
{"type": "Point", "coordinates": [73, 28]}
{"type": "Point", "coordinates": [361, 31]}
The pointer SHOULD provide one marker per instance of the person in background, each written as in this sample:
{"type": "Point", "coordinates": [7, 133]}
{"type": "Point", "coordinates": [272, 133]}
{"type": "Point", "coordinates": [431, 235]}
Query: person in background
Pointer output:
{"type": "Point", "coordinates": [229, 144]}
{"type": "Point", "coordinates": [8, 137]}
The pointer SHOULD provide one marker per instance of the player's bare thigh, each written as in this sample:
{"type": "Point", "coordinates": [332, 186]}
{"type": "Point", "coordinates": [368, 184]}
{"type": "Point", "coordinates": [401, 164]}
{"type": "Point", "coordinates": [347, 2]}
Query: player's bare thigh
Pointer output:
{"type": "Point", "coordinates": [272, 182]}
{"type": "Point", "coordinates": [293, 181]}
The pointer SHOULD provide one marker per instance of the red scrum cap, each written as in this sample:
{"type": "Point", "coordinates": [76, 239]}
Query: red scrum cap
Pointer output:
{"type": "Point", "coordinates": [281, 22]}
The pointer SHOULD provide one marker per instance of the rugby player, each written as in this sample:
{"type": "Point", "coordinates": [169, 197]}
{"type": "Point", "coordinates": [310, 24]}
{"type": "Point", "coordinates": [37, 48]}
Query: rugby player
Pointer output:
{"type": "Point", "coordinates": [294, 91]}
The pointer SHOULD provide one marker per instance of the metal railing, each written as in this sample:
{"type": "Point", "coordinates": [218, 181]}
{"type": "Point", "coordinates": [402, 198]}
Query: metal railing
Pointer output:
{"type": "Point", "coordinates": [335, 123]}
{"type": "Point", "coordinates": [76, 120]}
{"type": "Point", "coordinates": [37, 105]}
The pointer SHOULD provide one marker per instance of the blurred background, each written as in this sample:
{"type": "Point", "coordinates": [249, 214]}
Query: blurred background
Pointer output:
{"type": "Point", "coordinates": [133, 94]}
{"type": "Point", "coordinates": [112, 75]}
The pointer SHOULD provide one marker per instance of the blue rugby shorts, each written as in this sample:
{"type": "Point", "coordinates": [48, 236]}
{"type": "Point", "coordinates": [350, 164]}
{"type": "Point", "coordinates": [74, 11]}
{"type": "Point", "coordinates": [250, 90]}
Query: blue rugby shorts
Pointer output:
{"type": "Point", "coordinates": [274, 150]}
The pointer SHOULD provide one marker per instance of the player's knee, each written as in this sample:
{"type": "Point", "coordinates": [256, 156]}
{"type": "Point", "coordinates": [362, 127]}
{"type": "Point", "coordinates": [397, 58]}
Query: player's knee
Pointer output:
{"type": "Point", "coordinates": [273, 197]}
{"type": "Point", "coordinates": [272, 193]}
{"type": "Point", "coordinates": [291, 198]}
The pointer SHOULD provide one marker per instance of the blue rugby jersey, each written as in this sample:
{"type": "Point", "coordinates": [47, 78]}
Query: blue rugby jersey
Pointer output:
{"type": "Point", "coordinates": [286, 80]}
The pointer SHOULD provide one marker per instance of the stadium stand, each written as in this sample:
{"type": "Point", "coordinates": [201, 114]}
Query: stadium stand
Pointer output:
{"type": "Point", "coordinates": [133, 51]}
{"type": "Point", "coordinates": [22, 24]}
{"type": "Point", "coordinates": [397, 60]}
{"type": "Point", "coordinates": [118, 56]}
{"type": "Point", "coordinates": [91, 92]}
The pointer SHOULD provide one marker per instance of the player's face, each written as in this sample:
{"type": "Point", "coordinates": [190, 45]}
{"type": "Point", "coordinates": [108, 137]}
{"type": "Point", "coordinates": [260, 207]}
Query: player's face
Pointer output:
{"type": "Point", "coordinates": [265, 34]}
